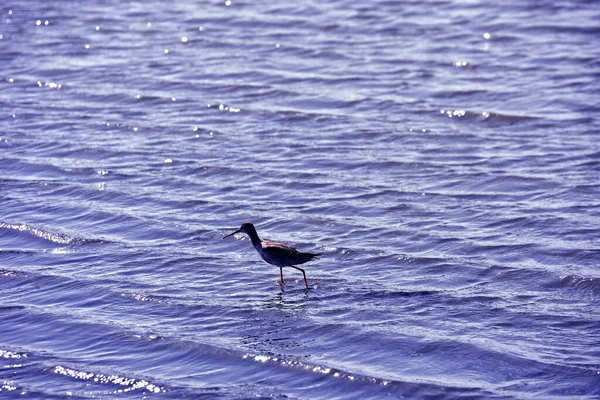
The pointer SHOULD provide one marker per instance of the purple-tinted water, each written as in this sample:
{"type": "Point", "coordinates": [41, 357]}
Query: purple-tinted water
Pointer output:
{"type": "Point", "coordinates": [443, 155]}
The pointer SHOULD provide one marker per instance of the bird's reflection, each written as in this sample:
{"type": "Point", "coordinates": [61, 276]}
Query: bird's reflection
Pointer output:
{"type": "Point", "coordinates": [289, 300]}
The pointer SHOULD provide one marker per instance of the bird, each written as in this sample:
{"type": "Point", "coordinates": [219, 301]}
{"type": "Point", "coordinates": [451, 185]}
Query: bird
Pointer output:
{"type": "Point", "coordinates": [276, 253]}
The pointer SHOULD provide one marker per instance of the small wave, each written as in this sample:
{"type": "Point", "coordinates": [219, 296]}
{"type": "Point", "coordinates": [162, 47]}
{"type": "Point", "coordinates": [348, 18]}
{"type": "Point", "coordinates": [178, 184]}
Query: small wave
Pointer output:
{"type": "Point", "coordinates": [53, 237]}
{"type": "Point", "coordinates": [10, 273]}
{"type": "Point", "coordinates": [461, 114]}
{"type": "Point", "coordinates": [345, 253]}
{"type": "Point", "coordinates": [315, 368]}
{"type": "Point", "coordinates": [12, 354]}
{"type": "Point", "coordinates": [11, 308]}
{"type": "Point", "coordinates": [356, 381]}
{"type": "Point", "coordinates": [580, 283]}
{"type": "Point", "coordinates": [129, 384]}
{"type": "Point", "coordinates": [145, 297]}
{"type": "Point", "coordinates": [387, 294]}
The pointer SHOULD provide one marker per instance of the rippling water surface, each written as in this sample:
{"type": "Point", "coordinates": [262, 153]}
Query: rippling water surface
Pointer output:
{"type": "Point", "coordinates": [442, 155]}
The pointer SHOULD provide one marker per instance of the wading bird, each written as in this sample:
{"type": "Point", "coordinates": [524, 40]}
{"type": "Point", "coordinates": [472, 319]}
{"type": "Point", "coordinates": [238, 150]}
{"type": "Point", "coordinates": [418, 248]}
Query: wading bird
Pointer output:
{"type": "Point", "coordinates": [275, 253]}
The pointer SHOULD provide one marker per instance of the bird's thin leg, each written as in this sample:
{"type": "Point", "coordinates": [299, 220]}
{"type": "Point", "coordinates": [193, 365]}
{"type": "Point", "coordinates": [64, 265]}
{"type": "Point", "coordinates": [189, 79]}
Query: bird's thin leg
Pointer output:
{"type": "Point", "coordinates": [281, 274]}
{"type": "Point", "coordinates": [303, 273]}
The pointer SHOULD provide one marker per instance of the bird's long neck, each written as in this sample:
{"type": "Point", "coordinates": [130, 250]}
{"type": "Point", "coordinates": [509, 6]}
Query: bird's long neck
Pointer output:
{"type": "Point", "coordinates": [254, 238]}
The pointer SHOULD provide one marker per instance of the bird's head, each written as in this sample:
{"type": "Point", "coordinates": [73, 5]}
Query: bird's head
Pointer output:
{"type": "Point", "coordinates": [247, 228]}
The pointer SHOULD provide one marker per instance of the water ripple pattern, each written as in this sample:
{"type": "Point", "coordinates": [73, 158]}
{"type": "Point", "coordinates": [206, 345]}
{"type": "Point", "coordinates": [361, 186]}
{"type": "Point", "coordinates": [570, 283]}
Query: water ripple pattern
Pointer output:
{"type": "Point", "coordinates": [442, 155]}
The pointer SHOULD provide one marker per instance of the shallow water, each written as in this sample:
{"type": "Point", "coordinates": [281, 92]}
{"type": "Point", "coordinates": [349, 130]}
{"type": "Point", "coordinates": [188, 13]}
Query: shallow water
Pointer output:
{"type": "Point", "coordinates": [442, 155]}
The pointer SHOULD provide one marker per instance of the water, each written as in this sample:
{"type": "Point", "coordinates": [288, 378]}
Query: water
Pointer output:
{"type": "Point", "coordinates": [442, 155]}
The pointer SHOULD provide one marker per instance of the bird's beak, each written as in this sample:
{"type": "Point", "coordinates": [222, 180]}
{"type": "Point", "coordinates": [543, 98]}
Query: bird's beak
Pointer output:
{"type": "Point", "coordinates": [231, 234]}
